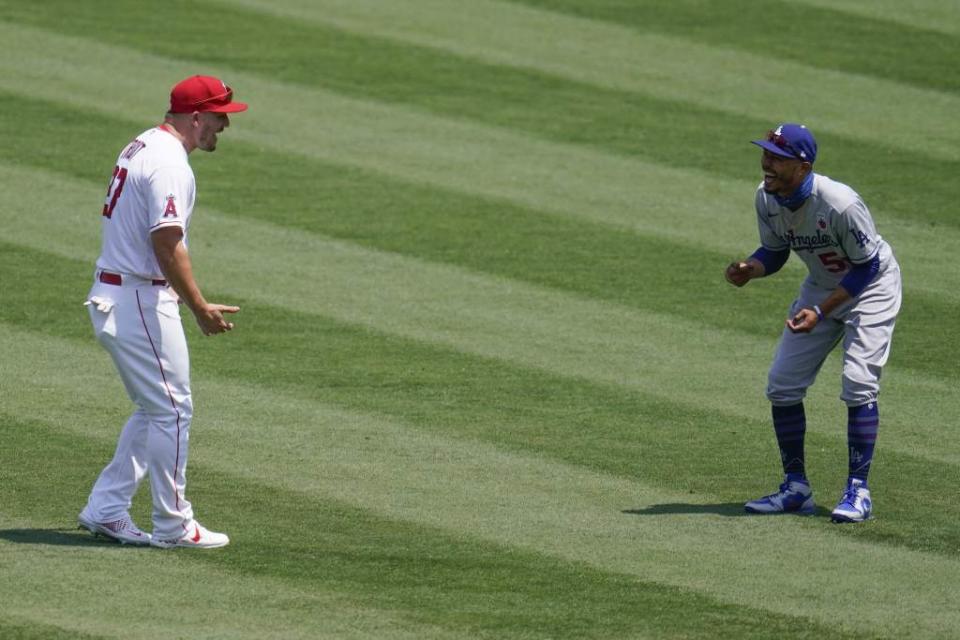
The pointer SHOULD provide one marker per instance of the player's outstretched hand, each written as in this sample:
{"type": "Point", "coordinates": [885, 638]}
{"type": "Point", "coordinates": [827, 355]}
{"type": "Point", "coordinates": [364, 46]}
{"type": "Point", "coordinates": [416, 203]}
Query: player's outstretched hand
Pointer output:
{"type": "Point", "coordinates": [211, 320]}
{"type": "Point", "coordinates": [738, 273]}
{"type": "Point", "coordinates": [803, 322]}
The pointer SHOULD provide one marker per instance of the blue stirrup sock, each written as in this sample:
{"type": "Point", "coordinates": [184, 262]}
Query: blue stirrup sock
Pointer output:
{"type": "Point", "coordinates": [862, 425]}
{"type": "Point", "coordinates": [790, 425]}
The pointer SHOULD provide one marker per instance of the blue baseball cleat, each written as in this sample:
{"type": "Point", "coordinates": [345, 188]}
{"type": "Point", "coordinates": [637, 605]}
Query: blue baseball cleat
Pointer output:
{"type": "Point", "coordinates": [794, 496]}
{"type": "Point", "coordinates": [855, 505]}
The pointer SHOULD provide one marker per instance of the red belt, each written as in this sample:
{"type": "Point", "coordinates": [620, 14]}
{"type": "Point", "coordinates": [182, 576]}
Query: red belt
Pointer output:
{"type": "Point", "coordinates": [114, 278]}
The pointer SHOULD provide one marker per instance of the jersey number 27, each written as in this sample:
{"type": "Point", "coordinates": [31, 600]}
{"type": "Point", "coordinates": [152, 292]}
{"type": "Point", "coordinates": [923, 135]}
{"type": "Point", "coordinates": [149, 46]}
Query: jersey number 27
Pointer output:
{"type": "Point", "coordinates": [114, 189]}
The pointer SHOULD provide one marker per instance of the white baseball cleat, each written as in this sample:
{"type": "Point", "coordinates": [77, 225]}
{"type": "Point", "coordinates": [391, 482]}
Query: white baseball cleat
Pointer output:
{"type": "Point", "coordinates": [197, 537]}
{"type": "Point", "coordinates": [793, 496]}
{"type": "Point", "coordinates": [855, 505]}
{"type": "Point", "coordinates": [122, 530]}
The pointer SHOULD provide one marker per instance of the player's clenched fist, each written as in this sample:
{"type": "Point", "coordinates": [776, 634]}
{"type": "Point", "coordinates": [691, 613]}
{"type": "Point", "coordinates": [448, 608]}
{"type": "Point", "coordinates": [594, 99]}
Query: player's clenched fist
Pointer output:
{"type": "Point", "coordinates": [739, 273]}
{"type": "Point", "coordinates": [803, 321]}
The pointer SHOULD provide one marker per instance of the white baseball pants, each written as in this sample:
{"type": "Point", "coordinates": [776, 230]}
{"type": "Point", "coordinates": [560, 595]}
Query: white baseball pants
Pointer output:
{"type": "Point", "coordinates": [138, 323]}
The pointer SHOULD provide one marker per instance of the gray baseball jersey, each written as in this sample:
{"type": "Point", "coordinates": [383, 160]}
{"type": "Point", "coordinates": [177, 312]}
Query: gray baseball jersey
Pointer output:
{"type": "Point", "coordinates": [830, 232]}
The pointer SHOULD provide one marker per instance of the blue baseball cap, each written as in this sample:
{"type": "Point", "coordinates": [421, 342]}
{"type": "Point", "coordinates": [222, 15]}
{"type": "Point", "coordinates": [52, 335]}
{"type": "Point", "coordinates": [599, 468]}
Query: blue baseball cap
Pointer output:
{"type": "Point", "coordinates": [790, 141]}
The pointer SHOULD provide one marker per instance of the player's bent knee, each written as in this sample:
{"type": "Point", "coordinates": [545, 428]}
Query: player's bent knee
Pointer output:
{"type": "Point", "coordinates": [783, 391]}
{"type": "Point", "coordinates": [857, 393]}
{"type": "Point", "coordinates": [861, 384]}
{"type": "Point", "coordinates": [785, 397]}
{"type": "Point", "coordinates": [172, 414]}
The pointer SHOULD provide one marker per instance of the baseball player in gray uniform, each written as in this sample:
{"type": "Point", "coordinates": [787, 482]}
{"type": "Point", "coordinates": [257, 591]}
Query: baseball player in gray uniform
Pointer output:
{"type": "Point", "coordinates": [850, 297]}
{"type": "Point", "coordinates": [143, 272]}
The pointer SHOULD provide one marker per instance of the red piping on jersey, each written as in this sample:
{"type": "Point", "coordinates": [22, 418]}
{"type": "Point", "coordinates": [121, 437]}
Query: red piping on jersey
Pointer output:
{"type": "Point", "coordinates": [173, 403]}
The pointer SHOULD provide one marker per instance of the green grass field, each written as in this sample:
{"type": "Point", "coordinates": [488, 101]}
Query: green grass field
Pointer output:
{"type": "Point", "coordinates": [488, 380]}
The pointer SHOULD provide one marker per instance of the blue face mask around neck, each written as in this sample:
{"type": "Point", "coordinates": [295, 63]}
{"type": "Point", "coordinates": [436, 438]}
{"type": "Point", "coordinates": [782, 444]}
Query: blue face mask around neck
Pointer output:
{"type": "Point", "coordinates": [795, 199]}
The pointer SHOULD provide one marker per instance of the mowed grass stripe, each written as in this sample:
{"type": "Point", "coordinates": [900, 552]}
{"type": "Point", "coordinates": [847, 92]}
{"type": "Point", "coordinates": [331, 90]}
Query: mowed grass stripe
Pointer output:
{"type": "Point", "coordinates": [911, 242]}
{"type": "Point", "coordinates": [832, 38]}
{"type": "Point", "coordinates": [407, 144]}
{"type": "Point", "coordinates": [414, 220]}
{"type": "Point", "coordinates": [931, 15]}
{"type": "Point", "coordinates": [429, 581]}
{"type": "Point", "coordinates": [680, 205]}
{"type": "Point", "coordinates": [533, 504]}
{"type": "Point", "coordinates": [618, 432]}
{"type": "Point", "coordinates": [482, 235]}
{"type": "Point", "coordinates": [682, 361]}
{"type": "Point", "coordinates": [855, 530]}
{"type": "Point", "coordinates": [13, 628]}
{"type": "Point", "coordinates": [668, 132]}
{"type": "Point", "coordinates": [490, 317]}
{"type": "Point", "coordinates": [55, 585]}
{"type": "Point", "coordinates": [615, 56]}
{"type": "Point", "coordinates": [62, 583]}
{"type": "Point", "coordinates": [417, 221]}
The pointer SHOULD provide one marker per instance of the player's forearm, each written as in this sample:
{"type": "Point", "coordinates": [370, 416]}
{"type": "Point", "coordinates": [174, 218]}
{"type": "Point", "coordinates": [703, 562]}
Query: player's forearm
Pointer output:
{"type": "Point", "coordinates": [834, 300]}
{"type": "Point", "coordinates": [177, 269]}
{"type": "Point", "coordinates": [852, 285]}
{"type": "Point", "coordinates": [757, 268]}
{"type": "Point", "coordinates": [771, 261]}
{"type": "Point", "coordinates": [752, 268]}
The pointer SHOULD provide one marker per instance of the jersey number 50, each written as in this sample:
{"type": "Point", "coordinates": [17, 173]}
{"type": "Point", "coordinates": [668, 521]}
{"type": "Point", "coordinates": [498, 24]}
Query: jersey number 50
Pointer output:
{"type": "Point", "coordinates": [114, 189]}
{"type": "Point", "coordinates": [833, 262]}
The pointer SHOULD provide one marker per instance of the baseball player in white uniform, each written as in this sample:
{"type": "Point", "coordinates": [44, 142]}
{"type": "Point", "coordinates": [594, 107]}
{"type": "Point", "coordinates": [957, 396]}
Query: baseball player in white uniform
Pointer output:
{"type": "Point", "coordinates": [851, 297]}
{"type": "Point", "coordinates": [143, 272]}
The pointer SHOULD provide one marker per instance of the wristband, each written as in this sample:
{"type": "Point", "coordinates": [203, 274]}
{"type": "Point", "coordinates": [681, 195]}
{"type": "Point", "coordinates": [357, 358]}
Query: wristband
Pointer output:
{"type": "Point", "coordinates": [816, 308]}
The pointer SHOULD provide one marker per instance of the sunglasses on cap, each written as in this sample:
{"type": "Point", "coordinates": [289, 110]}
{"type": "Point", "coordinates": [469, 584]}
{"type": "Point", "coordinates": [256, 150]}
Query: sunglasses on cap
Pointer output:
{"type": "Point", "coordinates": [203, 93]}
{"type": "Point", "coordinates": [782, 143]}
{"type": "Point", "coordinates": [221, 99]}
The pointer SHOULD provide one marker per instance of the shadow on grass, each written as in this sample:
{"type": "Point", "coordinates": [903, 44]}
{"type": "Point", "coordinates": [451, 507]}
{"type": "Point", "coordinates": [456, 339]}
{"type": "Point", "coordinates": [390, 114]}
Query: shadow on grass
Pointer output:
{"type": "Point", "coordinates": [730, 509]}
{"type": "Point", "coordinates": [672, 508]}
{"type": "Point", "coordinates": [56, 537]}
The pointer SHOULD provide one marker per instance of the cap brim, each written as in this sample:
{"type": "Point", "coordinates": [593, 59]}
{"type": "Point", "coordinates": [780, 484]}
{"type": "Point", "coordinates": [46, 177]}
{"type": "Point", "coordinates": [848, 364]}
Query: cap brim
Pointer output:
{"type": "Point", "coordinates": [230, 107]}
{"type": "Point", "coordinates": [774, 149]}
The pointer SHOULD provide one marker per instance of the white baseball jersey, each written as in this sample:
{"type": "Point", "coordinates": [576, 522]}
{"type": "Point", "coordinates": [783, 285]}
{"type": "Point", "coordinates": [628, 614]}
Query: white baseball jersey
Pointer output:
{"type": "Point", "coordinates": [152, 187]}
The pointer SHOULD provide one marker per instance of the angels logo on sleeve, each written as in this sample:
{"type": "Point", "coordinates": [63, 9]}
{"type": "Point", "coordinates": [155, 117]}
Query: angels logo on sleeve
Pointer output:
{"type": "Point", "coordinates": [170, 211]}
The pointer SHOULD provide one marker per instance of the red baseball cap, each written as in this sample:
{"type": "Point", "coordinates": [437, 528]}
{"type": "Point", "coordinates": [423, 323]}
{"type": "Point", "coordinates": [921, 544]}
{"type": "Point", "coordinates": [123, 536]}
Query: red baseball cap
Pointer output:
{"type": "Point", "coordinates": [203, 93]}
